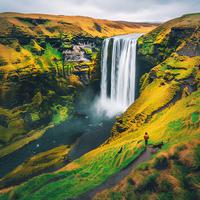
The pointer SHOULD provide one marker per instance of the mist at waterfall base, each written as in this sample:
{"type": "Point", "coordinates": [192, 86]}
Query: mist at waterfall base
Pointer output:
{"type": "Point", "coordinates": [85, 131]}
{"type": "Point", "coordinates": [118, 69]}
{"type": "Point", "coordinates": [92, 123]}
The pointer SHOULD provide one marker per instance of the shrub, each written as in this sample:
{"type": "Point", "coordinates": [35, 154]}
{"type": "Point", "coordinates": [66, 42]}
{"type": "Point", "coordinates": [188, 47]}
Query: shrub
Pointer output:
{"type": "Point", "coordinates": [143, 166]}
{"type": "Point", "coordinates": [197, 157]}
{"type": "Point", "coordinates": [149, 183]}
{"type": "Point", "coordinates": [165, 186]}
{"type": "Point", "coordinates": [130, 194]}
{"type": "Point", "coordinates": [183, 194]}
{"type": "Point", "coordinates": [165, 196]}
{"type": "Point", "coordinates": [160, 163]}
{"type": "Point", "coordinates": [116, 195]}
{"type": "Point", "coordinates": [130, 181]}
{"type": "Point", "coordinates": [175, 154]}
{"type": "Point", "coordinates": [145, 196]}
{"type": "Point", "coordinates": [192, 182]}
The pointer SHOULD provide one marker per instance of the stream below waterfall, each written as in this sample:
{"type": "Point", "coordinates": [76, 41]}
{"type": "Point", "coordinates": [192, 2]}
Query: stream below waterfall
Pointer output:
{"type": "Point", "coordinates": [94, 127]}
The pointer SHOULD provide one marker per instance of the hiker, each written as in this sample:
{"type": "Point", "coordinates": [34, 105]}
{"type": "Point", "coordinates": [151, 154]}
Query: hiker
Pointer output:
{"type": "Point", "coordinates": [146, 137]}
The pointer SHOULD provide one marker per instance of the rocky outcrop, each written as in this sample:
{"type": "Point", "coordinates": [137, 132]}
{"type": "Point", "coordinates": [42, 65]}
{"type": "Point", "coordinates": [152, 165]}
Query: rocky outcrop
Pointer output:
{"type": "Point", "coordinates": [45, 61]}
{"type": "Point", "coordinates": [167, 57]}
{"type": "Point", "coordinates": [167, 108]}
{"type": "Point", "coordinates": [180, 35]}
{"type": "Point", "coordinates": [33, 86]}
{"type": "Point", "coordinates": [40, 83]}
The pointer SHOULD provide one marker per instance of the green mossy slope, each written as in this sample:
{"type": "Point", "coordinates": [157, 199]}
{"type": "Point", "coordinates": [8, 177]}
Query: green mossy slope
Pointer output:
{"type": "Point", "coordinates": [42, 162]}
{"type": "Point", "coordinates": [173, 174]}
{"type": "Point", "coordinates": [44, 61]}
{"type": "Point", "coordinates": [167, 108]}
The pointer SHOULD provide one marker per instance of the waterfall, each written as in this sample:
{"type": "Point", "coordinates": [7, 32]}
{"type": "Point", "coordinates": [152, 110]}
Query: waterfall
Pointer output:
{"type": "Point", "coordinates": [117, 74]}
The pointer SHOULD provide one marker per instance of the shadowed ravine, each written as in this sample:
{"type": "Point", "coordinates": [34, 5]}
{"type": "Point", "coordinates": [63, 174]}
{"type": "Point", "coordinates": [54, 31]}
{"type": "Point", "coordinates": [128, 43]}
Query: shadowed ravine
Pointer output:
{"type": "Point", "coordinates": [116, 178]}
{"type": "Point", "coordinates": [65, 134]}
{"type": "Point", "coordinates": [94, 127]}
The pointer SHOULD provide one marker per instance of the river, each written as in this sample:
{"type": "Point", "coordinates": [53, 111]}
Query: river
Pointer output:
{"type": "Point", "coordinates": [93, 126]}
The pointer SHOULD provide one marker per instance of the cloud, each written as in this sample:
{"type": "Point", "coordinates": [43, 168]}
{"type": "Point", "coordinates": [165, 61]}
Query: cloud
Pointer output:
{"type": "Point", "coordinates": [130, 10]}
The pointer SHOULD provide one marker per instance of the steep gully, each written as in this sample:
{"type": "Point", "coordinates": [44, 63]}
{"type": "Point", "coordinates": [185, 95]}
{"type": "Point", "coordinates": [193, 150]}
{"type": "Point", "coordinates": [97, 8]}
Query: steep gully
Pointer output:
{"type": "Point", "coordinates": [117, 93]}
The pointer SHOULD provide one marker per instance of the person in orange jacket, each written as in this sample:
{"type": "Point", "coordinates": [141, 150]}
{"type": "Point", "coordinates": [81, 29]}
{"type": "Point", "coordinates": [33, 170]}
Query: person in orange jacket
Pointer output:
{"type": "Point", "coordinates": [146, 137]}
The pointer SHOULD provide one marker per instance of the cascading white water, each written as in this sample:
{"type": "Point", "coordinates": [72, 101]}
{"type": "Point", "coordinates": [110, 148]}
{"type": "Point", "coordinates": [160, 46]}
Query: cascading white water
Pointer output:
{"type": "Point", "coordinates": [117, 74]}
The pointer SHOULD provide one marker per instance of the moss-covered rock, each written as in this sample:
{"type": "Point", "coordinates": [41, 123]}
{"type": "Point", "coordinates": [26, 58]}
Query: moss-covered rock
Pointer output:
{"type": "Point", "coordinates": [158, 47]}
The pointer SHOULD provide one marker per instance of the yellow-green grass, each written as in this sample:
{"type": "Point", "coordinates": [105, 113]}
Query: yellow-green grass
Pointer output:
{"type": "Point", "coordinates": [19, 60]}
{"type": "Point", "coordinates": [15, 135]}
{"type": "Point", "coordinates": [53, 26]}
{"type": "Point", "coordinates": [164, 125]}
{"type": "Point", "coordinates": [16, 124]}
{"type": "Point", "coordinates": [26, 62]}
{"type": "Point", "coordinates": [90, 172]}
{"type": "Point", "coordinates": [154, 112]}
{"type": "Point", "coordinates": [160, 43]}
{"type": "Point", "coordinates": [158, 35]}
{"type": "Point", "coordinates": [167, 87]}
{"type": "Point", "coordinates": [182, 67]}
{"type": "Point", "coordinates": [172, 174]}
{"type": "Point", "coordinates": [94, 167]}
{"type": "Point", "coordinates": [22, 60]}
{"type": "Point", "coordinates": [42, 162]}
{"type": "Point", "coordinates": [30, 136]}
{"type": "Point", "coordinates": [22, 64]}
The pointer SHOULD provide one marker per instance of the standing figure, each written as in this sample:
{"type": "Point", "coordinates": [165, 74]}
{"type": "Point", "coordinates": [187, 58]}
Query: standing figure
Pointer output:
{"type": "Point", "coordinates": [146, 137]}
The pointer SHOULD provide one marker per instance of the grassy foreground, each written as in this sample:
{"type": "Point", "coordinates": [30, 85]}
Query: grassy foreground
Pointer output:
{"type": "Point", "coordinates": [173, 174]}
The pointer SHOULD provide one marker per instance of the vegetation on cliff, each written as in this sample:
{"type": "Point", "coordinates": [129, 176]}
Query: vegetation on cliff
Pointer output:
{"type": "Point", "coordinates": [44, 61]}
{"type": "Point", "coordinates": [167, 108]}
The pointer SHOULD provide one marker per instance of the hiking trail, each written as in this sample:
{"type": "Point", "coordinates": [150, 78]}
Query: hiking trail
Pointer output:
{"type": "Point", "coordinates": [117, 177]}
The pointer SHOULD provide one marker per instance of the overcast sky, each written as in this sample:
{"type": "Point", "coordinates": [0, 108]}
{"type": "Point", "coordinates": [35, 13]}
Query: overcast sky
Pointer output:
{"type": "Point", "coordinates": [129, 10]}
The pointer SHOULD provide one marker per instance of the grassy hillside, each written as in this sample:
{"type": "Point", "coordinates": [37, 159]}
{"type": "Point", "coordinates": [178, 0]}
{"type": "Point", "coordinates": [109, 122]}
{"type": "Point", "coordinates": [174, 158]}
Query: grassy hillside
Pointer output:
{"type": "Point", "coordinates": [52, 25]}
{"type": "Point", "coordinates": [42, 162]}
{"type": "Point", "coordinates": [172, 174]}
{"type": "Point", "coordinates": [167, 108]}
{"type": "Point", "coordinates": [44, 61]}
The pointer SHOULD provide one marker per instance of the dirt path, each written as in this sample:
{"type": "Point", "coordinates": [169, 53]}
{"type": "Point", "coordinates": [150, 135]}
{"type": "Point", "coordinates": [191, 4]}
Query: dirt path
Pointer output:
{"type": "Point", "coordinates": [116, 178]}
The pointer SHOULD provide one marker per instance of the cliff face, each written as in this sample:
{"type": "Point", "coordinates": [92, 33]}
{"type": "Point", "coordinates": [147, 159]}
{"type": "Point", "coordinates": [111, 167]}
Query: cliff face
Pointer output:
{"type": "Point", "coordinates": [45, 60]}
{"type": "Point", "coordinates": [179, 35]}
{"type": "Point", "coordinates": [168, 64]}
{"type": "Point", "coordinates": [167, 108]}
{"type": "Point", "coordinates": [40, 78]}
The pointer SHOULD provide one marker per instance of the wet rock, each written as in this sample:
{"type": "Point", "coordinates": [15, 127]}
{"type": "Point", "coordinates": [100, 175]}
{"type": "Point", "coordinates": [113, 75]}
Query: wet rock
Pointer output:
{"type": "Point", "coordinates": [4, 120]}
{"type": "Point", "coordinates": [120, 127]}
{"type": "Point", "coordinates": [190, 49]}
